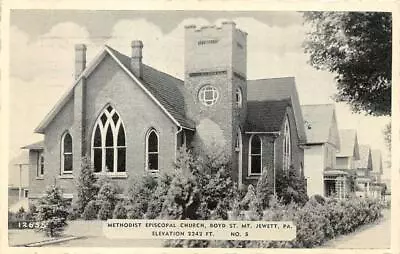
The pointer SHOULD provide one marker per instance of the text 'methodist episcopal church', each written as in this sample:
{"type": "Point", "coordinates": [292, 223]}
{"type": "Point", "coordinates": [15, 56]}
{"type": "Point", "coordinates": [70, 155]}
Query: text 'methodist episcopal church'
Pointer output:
{"type": "Point", "coordinates": [129, 118]}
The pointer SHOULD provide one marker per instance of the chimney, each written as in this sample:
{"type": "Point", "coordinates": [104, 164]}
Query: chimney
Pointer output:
{"type": "Point", "coordinates": [136, 59]}
{"type": "Point", "coordinates": [80, 59]}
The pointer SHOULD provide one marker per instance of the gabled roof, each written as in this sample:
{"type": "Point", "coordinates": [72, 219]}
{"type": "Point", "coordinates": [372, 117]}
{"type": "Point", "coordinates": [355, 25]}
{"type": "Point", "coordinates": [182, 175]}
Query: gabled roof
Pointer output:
{"type": "Point", "coordinates": [163, 89]}
{"type": "Point", "coordinates": [348, 144]}
{"type": "Point", "coordinates": [365, 157]}
{"type": "Point", "coordinates": [266, 116]}
{"type": "Point", "coordinates": [35, 146]}
{"type": "Point", "coordinates": [319, 121]}
{"type": "Point", "coordinates": [376, 161]}
{"type": "Point", "coordinates": [278, 89]}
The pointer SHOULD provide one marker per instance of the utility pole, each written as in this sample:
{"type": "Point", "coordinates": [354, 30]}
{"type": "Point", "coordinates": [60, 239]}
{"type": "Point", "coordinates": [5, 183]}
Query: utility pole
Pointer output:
{"type": "Point", "coordinates": [20, 178]}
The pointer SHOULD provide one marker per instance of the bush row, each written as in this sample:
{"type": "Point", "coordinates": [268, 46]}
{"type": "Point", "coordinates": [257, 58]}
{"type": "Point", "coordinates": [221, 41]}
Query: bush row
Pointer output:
{"type": "Point", "coordinates": [316, 222]}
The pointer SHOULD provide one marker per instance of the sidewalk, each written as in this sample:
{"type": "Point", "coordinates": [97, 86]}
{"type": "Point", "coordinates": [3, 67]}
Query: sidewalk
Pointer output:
{"type": "Point", "coordinates": [373, 236]}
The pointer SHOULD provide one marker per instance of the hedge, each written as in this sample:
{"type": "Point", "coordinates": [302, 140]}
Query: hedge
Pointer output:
{"type": "Point", "coordinates": [316, 222]}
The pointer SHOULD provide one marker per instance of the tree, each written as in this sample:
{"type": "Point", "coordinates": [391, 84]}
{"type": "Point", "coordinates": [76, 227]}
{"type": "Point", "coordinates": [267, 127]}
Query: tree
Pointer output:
{"type": "Point", "coordinates": [357, 47]}
{"type": "Point", "coordinates": [87, 188]}
{"type": "Point", "coordinates": [53, 212]}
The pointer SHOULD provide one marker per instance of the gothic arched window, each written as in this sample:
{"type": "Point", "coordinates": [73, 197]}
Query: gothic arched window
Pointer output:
{"type": "Point", "coordinates": [255, 155]}
{"type": "Point", "coordinates": [152, 150]}
{"type": "Point", "coordinates": [66, 154]}
{"type": "Point", "coordinates": [108, 142]}
{"type": "Point", "coordinates": [287, 149]}
{"type": "Point", "coordinates": [239, 99]}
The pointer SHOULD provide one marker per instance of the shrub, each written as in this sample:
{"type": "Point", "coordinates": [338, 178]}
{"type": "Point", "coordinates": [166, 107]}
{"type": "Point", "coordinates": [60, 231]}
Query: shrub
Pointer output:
{"type": "Point", "coordinates": [218, 192]}
{"type": "Point", "coordinates": [21, 213]}
{"type": "Point", "coordinates": [183, 198]}
{"type": "Point", "coordinates": [211, 170]}
{"type": "Point", "coordinates": [139, 194]}
{"type": "Point", "coordinates": [315, 222]}
{"type": "Point", "coordinates": [53, 212]}
{"type": "Point", "coordinates": [87, 188]}
{"type": "Point", "coordinates": [318, 198]}
{"type": "Point", "coordinates": [73, 212]}
{"type": "Point", "coordinates": [291, 187]}
{"type": "Point", "coordinates": [158, 196]}
{"type": "Point", "coordinates": [105, 211]}
{"type": "Point", "coordinates": [108, 193]}
{"type": "Point", "coordinates": [134, 212]}
{"type": "Point", "coordinates": [120, 211]}
{"type": "Point", "coordinates": [91, 210]}
{"type": "Point", "coordinates": [250, 195]}
{"type": "Point", "coordinates": [263, 189]}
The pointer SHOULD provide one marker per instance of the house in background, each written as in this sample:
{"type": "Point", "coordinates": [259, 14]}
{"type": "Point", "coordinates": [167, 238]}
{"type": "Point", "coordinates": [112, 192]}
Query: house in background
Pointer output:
{"type": "Point", "coordinates": [377, 185]}
{"type": "Point", "coordinates": [340, 182]}
{"type": "Point", "coordinates": [320, 151]}
{"type": "Point", "coordinates": [17, 198]}
{"type": "Point", "coordinates": [18, 182]}
{"type": "Point", "coordinates": [377, 166]}
{"type": "Point", "coordinates": [130, 118]}
{"type": "Point", "coordinates": [363, 169]}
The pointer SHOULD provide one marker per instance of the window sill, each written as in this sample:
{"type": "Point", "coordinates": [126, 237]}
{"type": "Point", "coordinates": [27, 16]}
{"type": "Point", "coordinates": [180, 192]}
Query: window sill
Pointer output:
{"type": "Point", "coordinates": [253, 177]}
{"type": "Point", "coordinates": [39, 178]}
{"type": "Point", "coordinates": [112, 174]}
{"type": "Point", "coordinates": [66, 176]}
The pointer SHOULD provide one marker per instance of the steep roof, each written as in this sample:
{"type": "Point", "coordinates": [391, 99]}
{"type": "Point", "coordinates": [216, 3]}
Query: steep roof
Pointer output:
{"type": "Point", "coordinates": [376, 161]}
{"type": "Point", "coordinates": [164, 89]}
{"type": "Point", "coordinates": [319, 121]}
{"type": "Point", "coordinates": [348, 144]}
{"type": "Point", "coordinates": [365, 157]}
{"type": "Point", "coordinates": [266, 116]}
{"type": "Point", "coordinates": [278, 89]}
{"type": "Point", "coordinates": [35, 146]}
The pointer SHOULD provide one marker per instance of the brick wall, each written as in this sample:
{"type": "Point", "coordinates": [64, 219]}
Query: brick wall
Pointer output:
{"type": "Point", "coordinates": [216, 56]}
{"type": "Point", "coordinates": [108, 84]}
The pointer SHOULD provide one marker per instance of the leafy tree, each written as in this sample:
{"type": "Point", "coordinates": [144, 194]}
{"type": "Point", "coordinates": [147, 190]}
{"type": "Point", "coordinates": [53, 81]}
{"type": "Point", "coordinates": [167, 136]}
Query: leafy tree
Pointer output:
{"type": "Point", "coordinates": [357, 47]}
{"type": "Point", "coordinates": [52, 211]}
{"type": "Point", "coordinates": [87, 188]}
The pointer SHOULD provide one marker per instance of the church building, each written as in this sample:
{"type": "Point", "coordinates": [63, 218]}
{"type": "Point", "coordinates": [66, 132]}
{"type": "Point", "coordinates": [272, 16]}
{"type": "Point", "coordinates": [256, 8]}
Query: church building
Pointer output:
{"type": "Point", "coordinates": [130, 118]}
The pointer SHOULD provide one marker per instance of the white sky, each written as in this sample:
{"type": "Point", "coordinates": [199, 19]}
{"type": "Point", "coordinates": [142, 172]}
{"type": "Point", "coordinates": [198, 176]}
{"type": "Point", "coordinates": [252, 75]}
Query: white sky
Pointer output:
{"type": "Point", "coordinates": [42, 67]}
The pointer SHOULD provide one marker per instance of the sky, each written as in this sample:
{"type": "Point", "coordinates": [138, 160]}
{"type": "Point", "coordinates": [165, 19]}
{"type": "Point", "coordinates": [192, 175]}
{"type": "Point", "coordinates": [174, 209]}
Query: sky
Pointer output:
{"type": "Point", "coordinates": [42, 59]}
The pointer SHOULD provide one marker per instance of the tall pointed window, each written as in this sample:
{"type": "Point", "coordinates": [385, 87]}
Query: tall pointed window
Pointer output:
{"type": "Point", "coordinates": [66, 153]}
{"type": "Point", "coordinates": [238, 96]}
{"type": "Point", "coordinates": [40, 165]}
{"type": "Point", "coordinates": [108, 142]}
{"type": "Point", "coordinates": [152, 150]}
{"type": "Point", "coordinates": [287, 149]}
{"type": "Point", "coordinates": [255, 155]}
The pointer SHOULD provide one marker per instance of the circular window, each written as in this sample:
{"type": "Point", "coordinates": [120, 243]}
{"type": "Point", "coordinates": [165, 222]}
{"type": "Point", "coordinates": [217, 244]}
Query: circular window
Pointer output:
{"type": "Point", "coordinates": [208, 95]}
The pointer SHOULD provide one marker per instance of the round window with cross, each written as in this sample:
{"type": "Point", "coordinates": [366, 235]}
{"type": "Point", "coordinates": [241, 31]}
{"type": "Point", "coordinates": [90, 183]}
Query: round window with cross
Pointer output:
{"type": "Point", "coordinates": [208, 95]}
